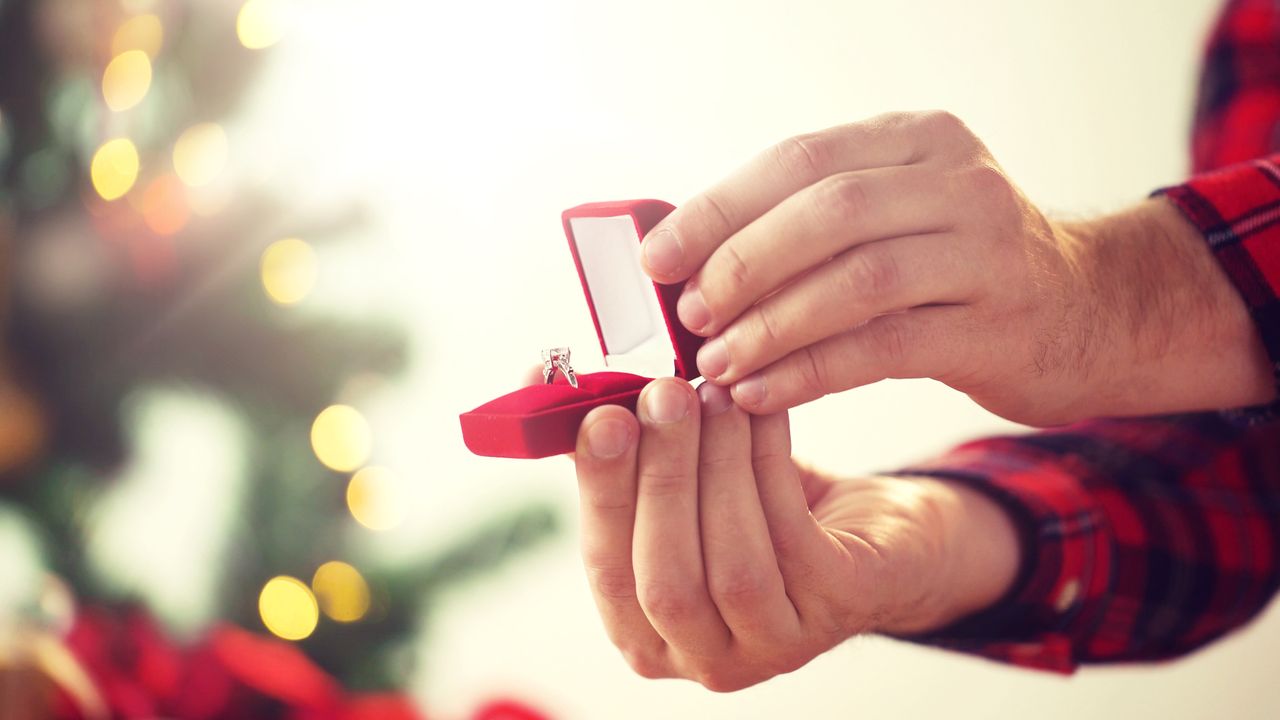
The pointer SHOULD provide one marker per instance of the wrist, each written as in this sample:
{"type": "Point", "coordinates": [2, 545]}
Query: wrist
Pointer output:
{"type": "Point", "coordinates": [1170, 331]}
{"type": "Point", "coordinates": [971, 559]}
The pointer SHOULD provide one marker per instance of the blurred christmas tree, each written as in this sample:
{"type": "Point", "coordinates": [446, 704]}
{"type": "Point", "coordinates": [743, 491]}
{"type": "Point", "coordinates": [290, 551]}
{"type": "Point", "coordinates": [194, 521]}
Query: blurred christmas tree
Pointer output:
{"type": "Point", "coordinates": [133, 259]}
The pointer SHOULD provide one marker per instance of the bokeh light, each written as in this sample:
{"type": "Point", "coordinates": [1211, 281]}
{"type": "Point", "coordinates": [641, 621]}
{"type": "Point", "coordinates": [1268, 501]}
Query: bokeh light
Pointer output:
{"type": "Point", "coordinates": [341, 591]}
{"type": "Point", "coordinates": [341, 438]}
{"type": "Point", "coordinates": [126, 80]}
{"type": "Point", "coordinates": [289, 269]}
{"type": "Point", "coordinates": [200, 154]}
{"type": "Point", "coordinates": [260, 24]}
{"type": "Point", "coordinates": [164, 205]}
{"type": "Point", "coordinates": [374, 498]}
{"type": "Point", "coordinates": [114, 168]}
{"type": "Point", "coordinates": [288, 608]}
{"type": "Point", "coordinates": [142, 32]}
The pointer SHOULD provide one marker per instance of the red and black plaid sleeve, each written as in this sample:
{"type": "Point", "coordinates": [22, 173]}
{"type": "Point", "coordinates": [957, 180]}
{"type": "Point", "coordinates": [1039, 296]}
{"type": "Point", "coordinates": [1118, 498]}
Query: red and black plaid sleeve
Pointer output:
{"type": "Point", "coordinates": [1141, 539]}
{"type": "Point", "coordinates": [1234, 199]}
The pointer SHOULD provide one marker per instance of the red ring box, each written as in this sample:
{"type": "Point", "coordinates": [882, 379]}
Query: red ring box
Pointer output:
{"type": "Point", "coordinates": [633, 315]}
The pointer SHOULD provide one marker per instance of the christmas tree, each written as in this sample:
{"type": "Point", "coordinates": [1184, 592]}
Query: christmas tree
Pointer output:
{"type": "Point", "coordinates": [135, 261]}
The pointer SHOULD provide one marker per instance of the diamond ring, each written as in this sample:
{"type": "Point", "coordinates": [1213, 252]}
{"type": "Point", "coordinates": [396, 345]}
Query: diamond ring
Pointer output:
{"type": "Point", "coordinates": [557, 359]}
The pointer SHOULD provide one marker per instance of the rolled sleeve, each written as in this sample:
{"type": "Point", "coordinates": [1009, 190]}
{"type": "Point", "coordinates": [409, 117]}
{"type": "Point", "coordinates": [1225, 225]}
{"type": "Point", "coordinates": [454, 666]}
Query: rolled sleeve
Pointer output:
{"type": "Point", "coordinates": [1141, 539]}
{"type": "Point", "coordinates": [1065, 572]}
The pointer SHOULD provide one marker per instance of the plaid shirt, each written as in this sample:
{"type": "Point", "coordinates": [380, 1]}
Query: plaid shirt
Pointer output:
{"type": "Point", "coordinates": [1147, 538]}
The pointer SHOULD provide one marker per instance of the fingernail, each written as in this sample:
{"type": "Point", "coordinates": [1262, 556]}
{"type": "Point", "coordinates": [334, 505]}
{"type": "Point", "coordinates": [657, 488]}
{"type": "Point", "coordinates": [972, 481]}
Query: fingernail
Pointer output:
{"type": "Point", "coordinates": [608, 438]}
{"type": "Point", "coordinates": [713, 359]}
{"type": "Point", "coordinates": [715, 399]}
{"type": "Point", "coordinates": [666, 402]}
{"type": "Point", "coordinates": [662, 252]}
{"type": "Point", "coordinates": [692, 309]}
{"type": "Point", "coordinates": [751, 391]}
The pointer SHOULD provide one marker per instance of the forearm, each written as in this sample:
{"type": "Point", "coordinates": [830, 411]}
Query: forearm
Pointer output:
{"type": "Point", "coordinates": [1171, 332]}
{"type": "Point", "coordinates": [1140, 538]}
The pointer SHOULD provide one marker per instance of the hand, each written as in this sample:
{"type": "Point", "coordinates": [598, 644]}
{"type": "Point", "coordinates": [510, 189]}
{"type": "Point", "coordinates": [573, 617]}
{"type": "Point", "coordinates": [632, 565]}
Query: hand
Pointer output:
{"type": "Point", "coordinates": [897, 248]}
{"type": "Point", "coordinates": [713, 557]}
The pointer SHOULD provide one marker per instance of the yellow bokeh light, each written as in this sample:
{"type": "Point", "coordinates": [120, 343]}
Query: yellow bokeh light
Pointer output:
{"type": "Point", "coordinates": [260, 23]}
{"type": "Point", "coordinates": [341, 438]}
{"type": "Point", "coordinates": [289, 269]}
{"type": "Point", "coordinates": [373, 496]}
{"type": "Point", "coordinates": [341, 590]}
{"type": "Point", "coordinates": [126, 80]}
{"type": "Point", "coordinates": [142, 32]}
{"type": "Point", "coordinates": [114, 168]}
{"type": "Point", "coordinates": [200, 154]}
{"type": "Point", "coordinates": [288, 608]}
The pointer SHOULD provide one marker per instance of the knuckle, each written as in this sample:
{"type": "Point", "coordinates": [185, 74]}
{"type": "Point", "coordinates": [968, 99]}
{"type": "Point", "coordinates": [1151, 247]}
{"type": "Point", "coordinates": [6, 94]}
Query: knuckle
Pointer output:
{"type": "Point", "coordinates": [720, 682]}
{"type": "Point", "coordinates": [667, 604]}
{"type": "Point", "coordinates": [868, 273]}
{"type": "Point", "coordinates": [844, 197]}
{"type": "Point", "coordinates": [722, 464]}
{"type": "Point", "coordinates": [890, 342]}
{"type": "Point", "coordinates": [663, 482]}
{"type": "Point", "coordinates": [942, 121]}
{"type": "Point", "coordinates": [711, 214]}
{"type": "Point", "coordinates": [996, 194]}
{"type": "Point", "coordinates": [760, 328]}
{"type": "Point", "coordinates": [785, 545]}
{"type": "Point", "coordinates": [814, 374]}
{"type": "Point", "coordinates": [644, 663]}
{"type": "Point", "coordinates": [769, 328]}
{"type": "Point", "coordinates": [733, 268]}
{"type": "Point", "coordinates": [804, 157]}
{"type": "Point", "coordinates": [612, 581]}
{"type": "Point", "coordinates": [739, 588]}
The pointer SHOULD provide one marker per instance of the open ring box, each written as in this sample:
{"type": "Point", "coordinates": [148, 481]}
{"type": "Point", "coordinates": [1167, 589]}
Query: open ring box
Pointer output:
{"type": "Point", "coordinates": [635, 320]}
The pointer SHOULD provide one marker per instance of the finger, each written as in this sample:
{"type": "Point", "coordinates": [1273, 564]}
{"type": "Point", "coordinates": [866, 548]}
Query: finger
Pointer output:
{"type": "Point", "coordinates": [606, 463]}
{"type": "Point", "coordinates": [798, 540]}
{"type": "Point", "coordinates": [679, 245]}
{"type": "Point", "coordinates": [869, 280]}
{"type": "Point", "coordinates": [923, 342]}
{"type": "Point", "coordinates": [817, 223]}
{"type": "Point", "coordinates": [742, 572]}
{"type": "Point", "coordinates": [667, 550]}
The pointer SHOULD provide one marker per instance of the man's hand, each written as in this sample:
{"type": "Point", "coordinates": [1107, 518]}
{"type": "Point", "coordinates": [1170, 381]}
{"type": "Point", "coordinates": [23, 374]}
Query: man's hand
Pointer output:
{"type": "Point", "coordinates": [897, 247]}
{"type": "Point", "coordinates": [713, 557]}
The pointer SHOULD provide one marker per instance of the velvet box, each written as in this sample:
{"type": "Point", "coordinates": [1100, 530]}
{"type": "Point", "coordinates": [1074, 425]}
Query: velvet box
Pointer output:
{"type": "Point", "coordinates": [635, 321]}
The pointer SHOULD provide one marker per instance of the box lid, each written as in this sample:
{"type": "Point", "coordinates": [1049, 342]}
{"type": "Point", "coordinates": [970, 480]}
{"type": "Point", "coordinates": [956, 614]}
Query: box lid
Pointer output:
{"type": "Point", "coordinates": [635, 318]}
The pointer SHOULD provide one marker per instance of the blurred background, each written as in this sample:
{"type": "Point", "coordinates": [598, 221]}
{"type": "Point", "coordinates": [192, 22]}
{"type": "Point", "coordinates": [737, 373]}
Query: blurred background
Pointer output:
{"type": "Point", "coordinates": [258, 257]}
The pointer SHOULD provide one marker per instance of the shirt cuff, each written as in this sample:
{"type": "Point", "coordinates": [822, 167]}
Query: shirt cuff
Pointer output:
{"type": "Point", "coordinates": [1237, 209]}
{"type": "Point", "coordinates": [1064, 580]}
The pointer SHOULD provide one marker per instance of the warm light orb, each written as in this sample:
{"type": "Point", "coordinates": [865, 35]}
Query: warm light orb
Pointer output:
{"type": "Point", "coordinates": [341, 438]}
{"type": "Point", "coordinates": [260, 24]}
{"type": "Point", "coordinates": [288, 608]}
{"type": "Point", "coordinates": [141, 32]}
{"type": "Point", "coordinates": [341, 590]}
{"type": "Point", "coordinates": [114, 168]}
{"type": "Point", "coordinates": [164, 205]}
{"type": "Point", "coordinates": [289, 269]}
{"type": "Point", "coordinates": [373, 496]}
{"type": "Point", "coordinates": [126, 80]}
{"type": "Point", "coordinates": [200, 154]}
